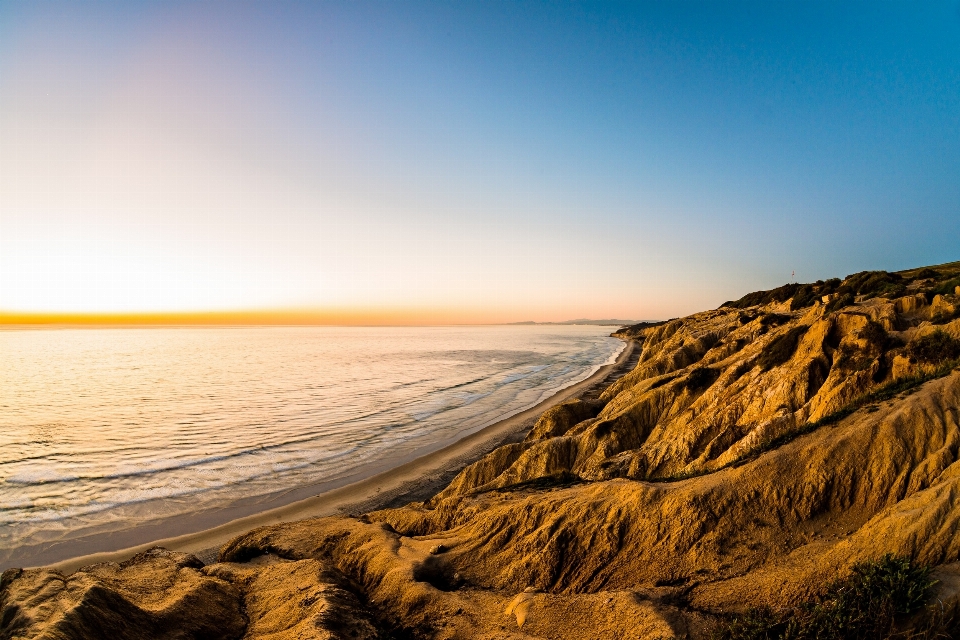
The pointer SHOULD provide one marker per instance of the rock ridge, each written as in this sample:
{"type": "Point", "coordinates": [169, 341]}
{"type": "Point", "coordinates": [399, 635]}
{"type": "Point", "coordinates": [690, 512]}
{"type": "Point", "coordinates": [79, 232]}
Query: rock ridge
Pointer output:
{"type": "Point", "coordinates": [755, 453]}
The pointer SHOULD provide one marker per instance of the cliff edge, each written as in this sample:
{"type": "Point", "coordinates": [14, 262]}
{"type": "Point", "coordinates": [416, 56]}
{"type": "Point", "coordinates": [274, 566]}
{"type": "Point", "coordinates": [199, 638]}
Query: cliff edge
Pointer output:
{"type": "Point", "coordinates": [764, 465]}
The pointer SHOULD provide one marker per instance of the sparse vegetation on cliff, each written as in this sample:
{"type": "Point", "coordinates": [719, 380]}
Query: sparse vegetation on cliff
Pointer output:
{"type": "Point", "coordinates": [782, 348]}
{"type": "Point", "coordinates": [865, 605]}
{"type": "Point", "coordinates": [946, 288]}
{"type": "Point", "coordinates": [868, 284]}
{"type": "Point", "coordinates": [935, 348]}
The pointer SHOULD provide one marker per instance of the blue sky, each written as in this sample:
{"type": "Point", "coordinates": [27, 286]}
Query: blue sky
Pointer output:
{"type": "Point", "coordinates": [499, 161]}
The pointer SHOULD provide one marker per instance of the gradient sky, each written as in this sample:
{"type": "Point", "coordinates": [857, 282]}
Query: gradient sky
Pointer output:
{"type": "Point", "coordinates": [488, 161]}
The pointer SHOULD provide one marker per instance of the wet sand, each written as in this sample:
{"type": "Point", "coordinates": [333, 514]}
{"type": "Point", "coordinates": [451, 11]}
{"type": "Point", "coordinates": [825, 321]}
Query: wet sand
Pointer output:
{"type": "Point", "coordinates": [397, 482]}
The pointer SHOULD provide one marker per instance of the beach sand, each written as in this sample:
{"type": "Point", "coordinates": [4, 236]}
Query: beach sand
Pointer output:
{"type": "Point", "coordinates": [394, 483]}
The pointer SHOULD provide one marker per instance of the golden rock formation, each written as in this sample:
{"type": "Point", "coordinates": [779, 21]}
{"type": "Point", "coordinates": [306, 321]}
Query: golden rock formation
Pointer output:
{"type": "Point", "coordinates": [755, 453]}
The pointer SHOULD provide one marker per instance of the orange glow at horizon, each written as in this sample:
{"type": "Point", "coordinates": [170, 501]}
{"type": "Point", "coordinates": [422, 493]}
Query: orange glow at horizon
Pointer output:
{"type": "Point", "coordinates": [356, 317]}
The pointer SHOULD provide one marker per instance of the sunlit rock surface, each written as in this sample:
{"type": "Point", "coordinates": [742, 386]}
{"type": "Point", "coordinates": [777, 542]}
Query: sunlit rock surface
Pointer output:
{"type": "Point", "coordinates": [756, 452]}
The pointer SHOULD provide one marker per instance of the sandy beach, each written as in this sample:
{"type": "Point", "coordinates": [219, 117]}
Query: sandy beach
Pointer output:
{"type": "Point", "coordinates": [392, 482]}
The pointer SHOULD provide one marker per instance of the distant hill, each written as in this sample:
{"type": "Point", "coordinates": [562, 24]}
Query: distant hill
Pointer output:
{"type": "Point", "coordinates": [603, 323]}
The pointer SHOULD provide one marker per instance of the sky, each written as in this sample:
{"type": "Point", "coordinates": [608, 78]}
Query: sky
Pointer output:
{"type": "Point", "coordinates": [469, 161]}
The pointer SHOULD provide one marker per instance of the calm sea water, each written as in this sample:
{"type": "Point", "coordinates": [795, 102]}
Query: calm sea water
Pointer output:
{"type": "Point", "coordinates": [101, 428]}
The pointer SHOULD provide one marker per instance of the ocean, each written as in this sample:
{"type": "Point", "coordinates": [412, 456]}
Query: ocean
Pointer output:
{"type": "Point", "coordinates": [102, 429]}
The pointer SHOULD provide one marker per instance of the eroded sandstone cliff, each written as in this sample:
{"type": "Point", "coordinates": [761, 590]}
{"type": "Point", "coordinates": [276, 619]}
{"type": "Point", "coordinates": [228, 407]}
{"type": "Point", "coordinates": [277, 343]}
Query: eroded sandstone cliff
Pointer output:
{"type": "Point", "coordinates": [755, 453]}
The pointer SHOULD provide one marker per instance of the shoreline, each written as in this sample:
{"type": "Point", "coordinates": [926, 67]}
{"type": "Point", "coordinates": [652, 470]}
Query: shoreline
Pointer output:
{"type": "Point", "coordinates": [397, 484]}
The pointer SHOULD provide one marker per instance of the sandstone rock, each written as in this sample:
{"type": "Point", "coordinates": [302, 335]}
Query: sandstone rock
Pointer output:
{"type": "Point", "coordinates": [156, 594]}
{"type": "Point", "coordinates": [296, 600]}
{"type": "Point", "coordinates": [752, 456]}
{"type": "Point", "coordinates": [942, 307]}
{"type": "Point", "coordinates": [910, 304]}
{"type": "Point", "coordinates": [729, 539]}
{"type": "Point", "coordinates": [903, 367]}
{"type": "Point", "coordinates": [559, 419]}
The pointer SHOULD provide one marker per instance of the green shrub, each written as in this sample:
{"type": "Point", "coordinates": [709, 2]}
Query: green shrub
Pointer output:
{"type": "Point", "coordinates": [805, 296]}
{"type": "Point", "coordinates": [873, 284]}
{"type": "Point", "coordinates": [865, 605]}
{"type": "Point", "coordinates": [946, 288]}
{"type": "Point", "coordinates": [781, 348]}
{"type": "Point", "coordinates": [780, 294]}
{"type": "Point", "coordinates": [943, 317]}
{"type": "Point", "coordinates": [865, 283]}
{"type": "Point", "coordinates": [874, 333]}
{"type": "Point", "coordinates": [759, 623]}
{"type": "Point", "coordinates": [849, 358]}
{"type": "Point", "coordinates": [934, 348]}
{"type": "Point", "coordinates": [927, 273]}
{"type": "Point", "coordinates": [841, 301]}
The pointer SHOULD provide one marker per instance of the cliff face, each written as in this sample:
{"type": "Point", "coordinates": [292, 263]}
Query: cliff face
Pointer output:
{"type": "Point", "coordinates": [756, 452]}
{"type": "Point", "coordinates": [162, 594]}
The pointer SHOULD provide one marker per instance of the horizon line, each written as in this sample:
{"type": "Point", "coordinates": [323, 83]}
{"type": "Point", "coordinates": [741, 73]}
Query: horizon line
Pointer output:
{"type": "Point", "coordinates": [382, 317]}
